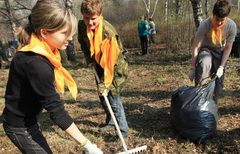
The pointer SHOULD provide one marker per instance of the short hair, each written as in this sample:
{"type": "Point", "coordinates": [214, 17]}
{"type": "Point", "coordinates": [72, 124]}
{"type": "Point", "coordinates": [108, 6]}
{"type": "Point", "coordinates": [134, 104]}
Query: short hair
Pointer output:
{"type": "Point", "coordinates": [150, 19]}
{"type": "Point", "coordinates": [91, 7]}
{"type": "Point", "coordinates": [49, 15]}
{"type": "Point", "coordinates": [221, 8]}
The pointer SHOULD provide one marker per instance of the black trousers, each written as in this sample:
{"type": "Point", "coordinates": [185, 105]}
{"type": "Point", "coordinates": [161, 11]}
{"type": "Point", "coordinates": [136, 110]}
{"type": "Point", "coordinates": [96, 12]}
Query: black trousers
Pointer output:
{"type": "Point", "coordinates": [144, 44]}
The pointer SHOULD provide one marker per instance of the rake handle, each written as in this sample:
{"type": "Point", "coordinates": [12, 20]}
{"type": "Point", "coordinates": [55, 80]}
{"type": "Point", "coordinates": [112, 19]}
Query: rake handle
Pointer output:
{"type": "Point", "coordinates": [111, 112]}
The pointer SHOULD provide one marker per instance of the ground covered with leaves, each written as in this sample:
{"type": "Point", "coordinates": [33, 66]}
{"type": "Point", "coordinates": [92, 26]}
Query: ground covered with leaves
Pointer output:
{"type": "Point", "coordinates": [147, 99]}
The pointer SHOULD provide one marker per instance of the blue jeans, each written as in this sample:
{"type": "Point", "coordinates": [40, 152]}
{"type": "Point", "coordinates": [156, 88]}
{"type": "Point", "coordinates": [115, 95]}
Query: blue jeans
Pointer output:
{"type": "Point", "coordinates": [28, 140]}
{"type": "Point", "coordinates": [118, 111]}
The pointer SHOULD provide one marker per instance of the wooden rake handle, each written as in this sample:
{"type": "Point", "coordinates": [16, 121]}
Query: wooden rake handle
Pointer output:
{"type": "Point", "coordinates": [105, 93]}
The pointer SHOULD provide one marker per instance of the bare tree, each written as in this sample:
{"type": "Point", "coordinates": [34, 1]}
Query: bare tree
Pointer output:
{"type": "Point", "coordinates": [238, 5]}
{"type": "Point", "coordinates": [147, 4]}
{"type": "Point", "coordinates": [166, 10]}
{"type": "Point", "coordinates": [68, 3]}
{"type": "Point", "coordinates": [197, 12]}
{"type": "Point", "coordinates": [206, 7]}
{"type": "Point", "coordinates": [179, 6]}
{"type": "Point", "coordinates": [7, 14]}
{"type": "Point", "coordinates": [12, 13]}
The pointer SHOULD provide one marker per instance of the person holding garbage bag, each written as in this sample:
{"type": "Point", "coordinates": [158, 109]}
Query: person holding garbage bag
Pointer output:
{"type": "Point", "coordinates": [35, 71]}
{"type": "Point", "coordinates": [212, 46]}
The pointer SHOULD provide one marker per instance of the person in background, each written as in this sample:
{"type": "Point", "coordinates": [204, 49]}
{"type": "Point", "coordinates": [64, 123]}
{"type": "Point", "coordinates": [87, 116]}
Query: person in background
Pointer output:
{"type": "Point", "coordinates": [16, 46]}
{"type": "Point", "coordinates": [212, 46]}
{"type": "Point", "coordinates": [35, 74]}
{"type": "Point", "coordinates": [143, 27]}
{"type": "Point", "coordinates": [3, 53]}
{"type": "Point", "coordinates": [103, 51]}
{"type": "Point", "coordinates": [152, 31]}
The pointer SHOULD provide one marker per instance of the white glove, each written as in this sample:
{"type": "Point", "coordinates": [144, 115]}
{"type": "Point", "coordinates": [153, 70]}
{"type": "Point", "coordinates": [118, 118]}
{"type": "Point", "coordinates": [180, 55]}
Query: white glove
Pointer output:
{"type": "Point", "coordinates": [92, 148]}
{"type": "Point", "coordinates": [191, 74]}
{"type": "Point", "coordinates": [105, 92]}
{"type": "Point", "coordinates": [219, 72]}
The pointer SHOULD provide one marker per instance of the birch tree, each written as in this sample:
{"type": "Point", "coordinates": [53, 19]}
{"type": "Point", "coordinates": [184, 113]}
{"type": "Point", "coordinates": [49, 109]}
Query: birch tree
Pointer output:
{"type": "Point", "coordinates": [238, 5]}
{"type": "Point", "coordinates": [179, 6]}
{"type": "Point", "coordinates": [13, 12]}
{"type": "Point", "coordinates": [6, 13]}
{"type": "Point", "coordinates": [197, 12]}
{"type": "Point", "coordinates": [147, 4]}
{"type": "Point", "coordinates": [206, 7]}
{"type": "Point", "coordinates": [68, 4]}
{"type": "Point", "coordinates": [166, 10]}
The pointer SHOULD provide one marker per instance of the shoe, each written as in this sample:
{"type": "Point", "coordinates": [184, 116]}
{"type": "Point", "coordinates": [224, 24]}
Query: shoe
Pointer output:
{"type": "Point", "coordinates": [106, 128]}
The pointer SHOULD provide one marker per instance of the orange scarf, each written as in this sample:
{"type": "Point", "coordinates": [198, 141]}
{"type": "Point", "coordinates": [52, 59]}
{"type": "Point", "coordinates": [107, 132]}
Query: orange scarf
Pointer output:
{"type": "Point", "coordinates": [106, 51]}
{"type": "Point", "coordinates": [217, 31]}
{"type": "Point", "coordinates": [40, 47]}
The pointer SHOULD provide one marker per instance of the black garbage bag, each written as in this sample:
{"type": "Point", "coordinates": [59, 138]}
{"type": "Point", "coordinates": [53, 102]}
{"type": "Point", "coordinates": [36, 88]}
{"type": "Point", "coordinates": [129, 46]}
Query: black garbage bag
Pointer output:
{"type": "Point", "coordinates": [236, 46]}
{"type": "Point", "coordinates": [194, 113]}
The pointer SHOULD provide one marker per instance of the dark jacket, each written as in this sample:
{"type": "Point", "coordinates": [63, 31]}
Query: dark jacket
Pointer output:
{"type": "Point", "coordinates": [30, 89]}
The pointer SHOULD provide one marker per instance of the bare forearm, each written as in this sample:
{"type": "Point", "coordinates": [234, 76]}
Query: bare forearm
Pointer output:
{"type": "Point", "coordinates": [196, 46]}
{"type": "Point", "coordinates": [75, 133]}
{"type": "Point", "coordinates": [194, 57]}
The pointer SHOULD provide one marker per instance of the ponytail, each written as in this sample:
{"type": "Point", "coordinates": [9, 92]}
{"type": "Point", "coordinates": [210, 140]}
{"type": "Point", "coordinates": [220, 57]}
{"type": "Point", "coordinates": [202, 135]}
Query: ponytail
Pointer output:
{"type": "Point", "coordinates": [23, 34]}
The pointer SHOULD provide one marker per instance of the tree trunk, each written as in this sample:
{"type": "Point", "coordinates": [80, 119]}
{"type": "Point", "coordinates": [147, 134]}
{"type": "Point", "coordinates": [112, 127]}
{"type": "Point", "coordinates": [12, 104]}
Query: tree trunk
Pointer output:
{"type": "Point", "coordinates": [179, 6]}
{"type": "Point", "coordinates": [197, 12]}
{"type": "Point", "coordinates": [147, 4]}
{"type": "Point", "coordinates": [238, 5]}
{"type": "Point", "coordinates": [206, 7]}
{"type": "Point", "coordinates": [166, 10]}
{"type": "Point", "coordinates": [147, 7]}
{"type": "Point", "coordinates": [154, 9]}
{"type": "Point", "coordinates": [10, 17]}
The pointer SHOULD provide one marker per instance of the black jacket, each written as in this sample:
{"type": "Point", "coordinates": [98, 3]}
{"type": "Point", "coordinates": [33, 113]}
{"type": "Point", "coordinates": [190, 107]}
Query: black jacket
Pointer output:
{"type": "Point", "coordinates": [30, 89]}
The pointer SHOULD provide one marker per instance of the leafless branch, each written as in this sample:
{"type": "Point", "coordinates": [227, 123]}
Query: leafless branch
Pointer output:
{"type": "Point", "coordinates": [155, 6]}
{"type": "Point", "coordinates": [23, 7]}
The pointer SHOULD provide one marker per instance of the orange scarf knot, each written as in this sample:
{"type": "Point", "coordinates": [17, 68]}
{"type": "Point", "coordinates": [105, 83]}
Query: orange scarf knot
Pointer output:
{"type": "Point", "coordinates": [105, 51]}
{"type": "Point", "coordinates": [60, 73]}
{"type": "Point", "coordinates": [217, 31]}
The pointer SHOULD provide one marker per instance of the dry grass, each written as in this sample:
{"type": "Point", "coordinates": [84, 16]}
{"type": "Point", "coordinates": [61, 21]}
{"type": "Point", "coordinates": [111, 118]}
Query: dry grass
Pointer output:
{"type": "Point", "coordinates": [146, 100]}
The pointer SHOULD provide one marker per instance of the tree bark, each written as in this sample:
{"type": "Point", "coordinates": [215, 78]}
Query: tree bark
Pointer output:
{"type": "Point", "coordinates": [206, 7]}
{"type": "Point", "coordinates": [10, 17]}
{"type": "Point", "coordinates": [147, 4]}
{"type": "Point", "coordinates": [166, 10]}
{"type": "Point", "coordinates": [178, 6]}
{"type": "Point", "coordinates": [197, 12]}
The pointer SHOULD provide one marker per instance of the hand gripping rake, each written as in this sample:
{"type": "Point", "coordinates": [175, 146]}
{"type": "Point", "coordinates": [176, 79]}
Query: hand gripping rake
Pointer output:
{"type": "Point", "coordinates": [126, 151]}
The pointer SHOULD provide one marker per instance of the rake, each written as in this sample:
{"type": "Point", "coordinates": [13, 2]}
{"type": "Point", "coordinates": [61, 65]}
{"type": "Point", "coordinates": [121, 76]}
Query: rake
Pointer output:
{"type": "Point", "coordinates": [126, 151]}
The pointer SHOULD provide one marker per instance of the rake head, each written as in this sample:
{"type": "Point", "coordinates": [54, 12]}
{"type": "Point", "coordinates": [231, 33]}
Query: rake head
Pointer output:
{"type": "Point", "coordinates": [135, 150]}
